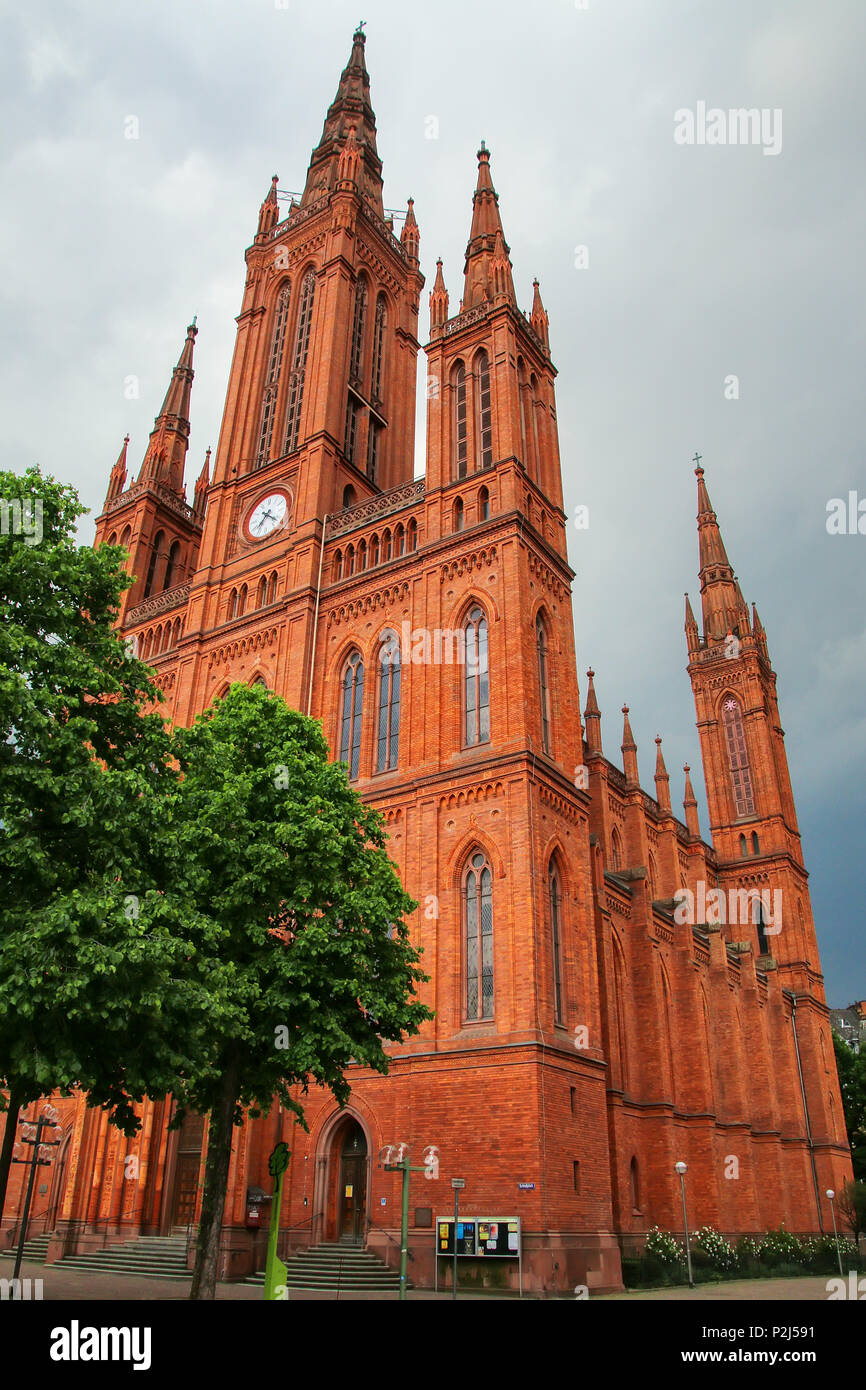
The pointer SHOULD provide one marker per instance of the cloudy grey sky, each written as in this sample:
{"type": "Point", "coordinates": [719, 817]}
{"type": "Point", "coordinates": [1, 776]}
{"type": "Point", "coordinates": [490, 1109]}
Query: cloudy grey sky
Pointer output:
{"type": "Point", "coordinates": [703, 262]}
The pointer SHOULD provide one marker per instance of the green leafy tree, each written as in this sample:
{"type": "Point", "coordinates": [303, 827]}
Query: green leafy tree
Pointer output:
{"type": "Point", "coordinates": [82, 766]}
{"type": "Point", "coordinates": [851, 1067]}
{"type": "Point", "coordinates": [852, 1206]}
{"type": "Point", "coordinates": [293, 914]}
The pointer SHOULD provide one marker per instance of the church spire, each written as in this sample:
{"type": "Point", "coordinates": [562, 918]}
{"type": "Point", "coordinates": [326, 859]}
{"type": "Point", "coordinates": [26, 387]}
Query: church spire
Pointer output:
{"type": "Point", "coordinates": [350, 116]}
{"type": "Point", "coordinates": [269, 212]}
{"type": "Point", "coordinates": [202, 483]}
{"type": "Point", "coordinates": [487, 270]}
{"type": "Point", "coordinates": [438, 298]}
{"type": "Point", "coordinates": [410, 237]}
{"type": "Point", "coordinates": [538, 318]}
{"type": "Point", "coordinates": [662, 780]}
{"type": "Point", "coordinates": [629, 749]}
{"type": "Point", "coordinates": [724, 609]}
{"type": "Point", "coordinates": [592, 716]}
{"type": "Point", "coordinates": [166, 449]}
{"type": "Point", "coordinates": [690, 806]}
{"type": "Point", "coordinates": [117, 477]}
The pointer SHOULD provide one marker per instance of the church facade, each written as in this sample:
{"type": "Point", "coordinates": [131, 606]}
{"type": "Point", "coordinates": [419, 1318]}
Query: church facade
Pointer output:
{"type": "Point", "coordinates": [613, 993]}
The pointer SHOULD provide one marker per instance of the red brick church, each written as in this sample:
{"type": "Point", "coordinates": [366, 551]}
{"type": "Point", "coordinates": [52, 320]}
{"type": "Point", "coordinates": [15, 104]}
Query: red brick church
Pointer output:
{"type": "Point", "coordinates": [594, 1023]}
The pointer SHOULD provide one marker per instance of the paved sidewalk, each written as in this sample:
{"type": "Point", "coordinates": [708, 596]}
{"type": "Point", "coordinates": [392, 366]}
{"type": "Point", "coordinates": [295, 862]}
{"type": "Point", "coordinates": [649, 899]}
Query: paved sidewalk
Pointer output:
{"type": "Point", "coordinates": [79, 1285]}
{"type": "Point", "coordinates": [809, 1288]}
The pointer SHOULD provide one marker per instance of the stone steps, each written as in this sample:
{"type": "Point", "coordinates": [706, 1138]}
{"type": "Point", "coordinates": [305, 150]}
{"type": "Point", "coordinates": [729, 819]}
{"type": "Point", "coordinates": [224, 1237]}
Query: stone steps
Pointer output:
{"type": "Point", "coordinates": [147, 1257]}
{"type": "Point", "coordinates": [335, 1268]}
{"type": "Point", "coordinates": [35, 1249]}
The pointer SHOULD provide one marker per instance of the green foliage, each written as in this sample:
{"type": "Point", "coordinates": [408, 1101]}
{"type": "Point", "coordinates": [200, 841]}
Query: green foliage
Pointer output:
{"type": "Point", "coordinates": [81, 766]}
{"type": "Point", "coordinates": [287, 896]}
{"type": "Point", "coordinates": [851, 1067]}
{"type": "Point", "coordinates": [664, 1248]}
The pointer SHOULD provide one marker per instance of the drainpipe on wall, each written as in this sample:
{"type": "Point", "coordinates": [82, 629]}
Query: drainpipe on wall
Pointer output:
{"type": "Point", "coordinates": [316, 618]}
{"type": "Point", "coordinates": [793, 999]}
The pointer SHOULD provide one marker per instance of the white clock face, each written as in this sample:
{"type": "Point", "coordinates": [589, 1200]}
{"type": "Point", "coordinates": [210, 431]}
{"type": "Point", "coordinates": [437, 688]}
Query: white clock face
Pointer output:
{"type": "Point", "coordinates": [268, 515]}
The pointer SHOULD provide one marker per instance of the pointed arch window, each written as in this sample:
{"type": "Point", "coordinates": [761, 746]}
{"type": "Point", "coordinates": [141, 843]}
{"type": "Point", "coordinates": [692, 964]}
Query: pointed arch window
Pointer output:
{"type": "Point", "coordinates": [554, 891]}
{"type": "Point", "coordinates": [353, 699]}
{"type": "Point", "coordinates": [543, 684]}
{"type": "Point", "coordinates": [484, 505]}
{"type": "Point", "coordinates": [478, 936]}
{"type": "Point", "coordinates": [521, 398]}
{"type": "Point", "coordinates": [763, 944]}
{"type": "Point", "coordinates": [124, 539]}
{"type": "Point", "coordinates": [400, 540]}
{"type": "Point", "coordinates": [379, 323]}
{"type": "Point", "coordinates": [350, 439]}
{"type": "Point", "coordinates": [358, 325]}
{"type": "Point", "coordinates": [349, 498]}
{"type": "Point", "coordinates": [477, 680]}
{"type": "Point", "coordinates": [634, 1181]}
{"type": "Point", "coordinates": [388, 732]}
{"type": "Point", "coordinates": [171, 575]}
{"type": "Point", "coordinates": [484, 421]}
{"type": "Point", "coordinates": [616, 859]}
{"type": "Point", "coordinates": [458, 392]}
{"type": "Point", "coordinates": [374, 549]}
{"type": "Point", "coordinates": [299, 362]}
{"type": "Point", "coordinates": [262, 592]}
{"type": "Point", "coordinates": [458, 515]}
{"type": "Point", "coordinates": [272, 588]}
{"type": "Point", "coordinates": [386, 546]}
{"type": "Point", "coordinates": [533, 407]}
{"type": "Point", "coordinates": [242, 600]}
{"type": "Point", "coordinates": [652, 870]}
{"type": "Point", "coordinates": [738, 756]}
{"type": "Point", "coordinates": [154, 556]}
{"type": "Point", "coordinates": [272, 376]}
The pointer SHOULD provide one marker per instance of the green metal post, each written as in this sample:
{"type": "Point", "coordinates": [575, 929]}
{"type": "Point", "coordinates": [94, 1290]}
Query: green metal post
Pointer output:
{"type": "Point", "coordinates": [275, 1270]}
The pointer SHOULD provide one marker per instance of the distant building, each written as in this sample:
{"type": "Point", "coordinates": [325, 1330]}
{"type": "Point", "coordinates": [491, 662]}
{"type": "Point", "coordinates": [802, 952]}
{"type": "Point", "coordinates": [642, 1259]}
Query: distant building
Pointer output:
{"type": "Point", "coordinates": [850, 1024]}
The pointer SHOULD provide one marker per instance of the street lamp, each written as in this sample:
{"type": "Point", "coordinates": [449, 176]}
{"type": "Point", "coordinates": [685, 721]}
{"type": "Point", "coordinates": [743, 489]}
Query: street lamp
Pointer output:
{"type": "Point", "coordinates": [830, 1195]}
{"type": "Point", "coordinates": [682, 1169]}
{"type": "Point", "coordinates": [31, 1134]}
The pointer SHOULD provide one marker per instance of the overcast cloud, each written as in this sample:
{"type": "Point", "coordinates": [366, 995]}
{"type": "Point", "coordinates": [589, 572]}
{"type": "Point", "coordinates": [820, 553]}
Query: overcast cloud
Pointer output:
{"type": "Point", "coordinates": [703, 262]}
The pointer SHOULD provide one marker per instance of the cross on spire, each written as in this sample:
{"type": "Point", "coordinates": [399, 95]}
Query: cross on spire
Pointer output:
{"type": "Point", "coordinates": [697, 461]}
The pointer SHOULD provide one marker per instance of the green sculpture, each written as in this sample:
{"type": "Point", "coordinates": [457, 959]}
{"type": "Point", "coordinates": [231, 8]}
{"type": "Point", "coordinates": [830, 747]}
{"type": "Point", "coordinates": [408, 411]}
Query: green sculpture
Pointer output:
{"type": "Point", "coordinates": [275, 1271]}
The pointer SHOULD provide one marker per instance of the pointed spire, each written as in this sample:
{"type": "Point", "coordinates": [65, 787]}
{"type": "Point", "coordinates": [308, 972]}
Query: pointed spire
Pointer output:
{"type": "Point", "coordinates": [177, 397]}
{"type": "Point", "coordinates": [349, 162]}
{"type": "Point", "coordinates": [350, 110]}
{"type": "Point", "coordinates": [202, 483]}
{"type": "Point", "coordinates": [538, 318]}
{"type": "Point", "coordinates": [592, 716]}
{"type": "Point", "coordinates": [759, 632]}
{"type": "Point", "coordinates": [723, 607]}
{"type": "Point", "coordinates": [410, 237]}
{"type": "Point", "coordinates": [662, 780]}
{"type": "Point", "coordinates": [117, 476]}
{"type": "Point", "coordinates": [487, 271]}
{"type": "Point", "coordinates": [438, 298]}
{"type": "Point", "coordinates": [693, 640]}
{"type": "Point", "coordinates": [690, 806]}
{"type": "Point", "coordinates": [269, 212]}
{"type": "Point", "coordinates": [629, 749]}
{"type": "Point", "coordinates": [167, 446]}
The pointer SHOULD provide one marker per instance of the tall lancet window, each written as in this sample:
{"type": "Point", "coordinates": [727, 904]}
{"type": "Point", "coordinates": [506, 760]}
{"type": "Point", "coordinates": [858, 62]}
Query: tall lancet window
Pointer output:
{"type": "Point", "coordinates": [272, 376]}
{"type": "Point", "coordinates": [555, 895]}
{"type": "Point", "coordinates": [477, 699]}
{"type": "Point", "coordinates": [543, 685]}
{"type": "Point", "coordinates": [478, 933]}
{"type": "Point", "coordinates": [458, 393]}
{"type": "Point", "coordinates": [738, 756]}
{"type": "Point", "coordinates": [484, 422]}
{"type": "Point", "coordinates": [299, 362]}
{"type": "Point", "coordinates": [388, 733]}
{"type": "Point", "coordinates": [378, 349]}
{"type": "Point", "coordinates": [358, 331]}
{"type": "Point", "coordinates": [353, 700]}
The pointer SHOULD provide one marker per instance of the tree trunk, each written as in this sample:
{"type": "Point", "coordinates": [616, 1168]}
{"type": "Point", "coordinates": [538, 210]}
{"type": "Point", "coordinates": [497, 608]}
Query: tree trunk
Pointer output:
{"type": "Point", "coordinates": [216, 1174]}
{"type": "Point", "coordinates": [9, 1136]}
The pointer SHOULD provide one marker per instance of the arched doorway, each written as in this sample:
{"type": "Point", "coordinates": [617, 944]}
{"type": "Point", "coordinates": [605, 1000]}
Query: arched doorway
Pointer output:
{"type": "Point", "coordinates": [349, 1193]}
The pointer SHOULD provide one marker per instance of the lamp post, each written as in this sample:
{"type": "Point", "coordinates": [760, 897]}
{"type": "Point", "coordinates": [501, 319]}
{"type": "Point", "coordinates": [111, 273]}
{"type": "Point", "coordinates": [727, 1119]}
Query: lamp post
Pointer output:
{"type": "Point", "coordinates": [457, 1184]}
{"type": "Point", "coordinates": [682, 1169]}
{"type": "Point", "coordinates": [31, 1134]}
{"type": "Point", "coordinates": [830, 1195]}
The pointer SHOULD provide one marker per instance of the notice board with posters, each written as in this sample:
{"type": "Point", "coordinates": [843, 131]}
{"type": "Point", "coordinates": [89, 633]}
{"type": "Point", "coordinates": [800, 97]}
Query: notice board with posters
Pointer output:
{"type": "Point", "coordinates": [489, 1236]}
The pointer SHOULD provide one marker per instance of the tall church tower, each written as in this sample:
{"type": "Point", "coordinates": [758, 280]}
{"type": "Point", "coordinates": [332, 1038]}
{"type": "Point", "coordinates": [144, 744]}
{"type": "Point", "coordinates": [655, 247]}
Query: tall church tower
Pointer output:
{"type": "Point", "coordinates": [753, 821]}
{"type": "Point", "coordinates": [313, 422]}
{"type": "Point", "coordinates": [151, 518]}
